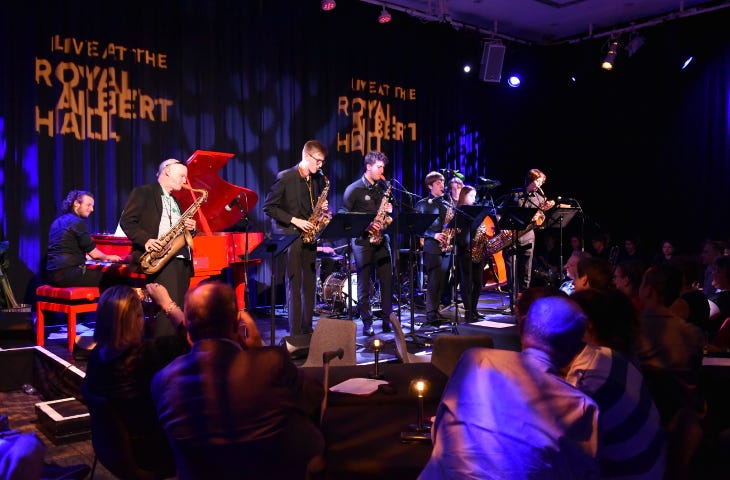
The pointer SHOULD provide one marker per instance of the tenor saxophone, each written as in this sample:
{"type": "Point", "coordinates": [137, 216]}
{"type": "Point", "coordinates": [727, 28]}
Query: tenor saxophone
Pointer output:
{"type": "Point", "coordinates": [174, 239]}
{"type": "Point", "coordinates": [321, 216]}
{"type": "Point", "coordinates": [382, 218]}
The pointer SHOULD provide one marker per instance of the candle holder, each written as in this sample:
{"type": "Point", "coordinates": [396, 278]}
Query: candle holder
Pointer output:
{"type": "Point", "coordinates": [421, 430]}
{"type": "Point", "coordinates": [377, 345]}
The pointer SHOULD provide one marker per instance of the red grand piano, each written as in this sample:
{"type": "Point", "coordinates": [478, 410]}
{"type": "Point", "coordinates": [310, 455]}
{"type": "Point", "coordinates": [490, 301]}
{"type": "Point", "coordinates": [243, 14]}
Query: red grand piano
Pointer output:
{"type": "Point", "coordinates": [213, 249]}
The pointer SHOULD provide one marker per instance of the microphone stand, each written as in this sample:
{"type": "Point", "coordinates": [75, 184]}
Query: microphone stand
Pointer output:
{"type": "Point", "coordinates": [411, 259]}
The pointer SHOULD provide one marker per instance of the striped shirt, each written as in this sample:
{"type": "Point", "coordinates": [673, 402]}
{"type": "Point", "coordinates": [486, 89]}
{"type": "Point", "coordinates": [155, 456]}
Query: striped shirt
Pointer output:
{"type": "Point", "coordinates": [631, 442]}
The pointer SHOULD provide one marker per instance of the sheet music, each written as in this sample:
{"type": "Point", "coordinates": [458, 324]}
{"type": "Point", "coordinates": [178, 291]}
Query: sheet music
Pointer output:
{"type": "Point", "coordinates": [357, 386]}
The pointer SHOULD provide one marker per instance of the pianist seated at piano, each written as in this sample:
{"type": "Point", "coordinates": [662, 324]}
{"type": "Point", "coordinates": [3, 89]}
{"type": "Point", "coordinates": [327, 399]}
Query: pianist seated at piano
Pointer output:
{"type": "Point", "coordinates": [70, 244]}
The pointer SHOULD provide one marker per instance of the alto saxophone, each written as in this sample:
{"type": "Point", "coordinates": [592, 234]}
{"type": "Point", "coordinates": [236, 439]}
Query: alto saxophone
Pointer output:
{"type": "Point", "coordinates": [321, 216]}
{"type": "Point", "coordinates": [174, 239]}
{"type": "Point", "coordinates": [382, 218]}
{"type": "Point", "coordinates": [446, 244]}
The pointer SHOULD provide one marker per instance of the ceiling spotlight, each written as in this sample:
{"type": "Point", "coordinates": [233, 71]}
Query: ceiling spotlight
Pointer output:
{"type": "Point", "coordinates": [610, 56]}
{"type": "Point", "coordinates": [514, 81]}
{"type": "Point", "coordinates": [467, 68]}
{"type": "Point", "coordinates": [384, 16]}
{"type": "Point", "coordinates": [328, 5]}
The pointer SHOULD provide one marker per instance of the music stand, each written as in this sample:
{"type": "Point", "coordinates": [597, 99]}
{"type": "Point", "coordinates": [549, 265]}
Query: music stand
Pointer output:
{"type": "Point", "coordinates": [414, 224]}
{"type": "Point", "coordinates": [558, 218]}
{"type": "Point", "coordinates": [270, 248]}
{"type": "Point", "coordinates": [347, 225]}
{"type": "Point", "coordinates": [514, 219]}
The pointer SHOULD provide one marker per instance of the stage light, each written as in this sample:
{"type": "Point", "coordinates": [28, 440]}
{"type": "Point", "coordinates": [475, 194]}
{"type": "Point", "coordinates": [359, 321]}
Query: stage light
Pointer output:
{"type": "Point", "coordinates": [384, 16]}
{"type": "Point", "coordinates": [467, 68]}
{"type": "Point", "coordinates": [328, 5]}
{"type": "Point", "coordinates": [611, 55]}
{"type": "Point", "coordinates": [514, 81]}
{"type": "Point", "coordinates": [687, 62]}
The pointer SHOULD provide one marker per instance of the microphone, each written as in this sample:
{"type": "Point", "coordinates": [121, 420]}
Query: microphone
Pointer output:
{"type": "Point", "coordinates": [232, 204]}
{"type": "Point", "coordinates": [327, 356]}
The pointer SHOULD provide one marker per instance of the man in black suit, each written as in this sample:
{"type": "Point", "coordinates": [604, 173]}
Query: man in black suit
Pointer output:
{"type": "Point", "coordinates": [150, 212]}
{"type": "Point", "coordinates": [290, 204]}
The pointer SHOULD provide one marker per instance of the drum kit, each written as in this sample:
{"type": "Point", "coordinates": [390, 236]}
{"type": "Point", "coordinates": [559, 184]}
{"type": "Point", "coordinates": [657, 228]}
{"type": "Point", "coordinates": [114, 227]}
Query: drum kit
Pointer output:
{"type": "Point", "coordinates": [334, 291]}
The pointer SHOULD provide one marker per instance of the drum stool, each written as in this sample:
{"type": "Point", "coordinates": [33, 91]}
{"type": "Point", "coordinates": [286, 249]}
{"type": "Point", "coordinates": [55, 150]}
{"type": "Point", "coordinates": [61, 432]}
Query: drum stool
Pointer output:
{"type": "Point", "coordinates": [68, 300]}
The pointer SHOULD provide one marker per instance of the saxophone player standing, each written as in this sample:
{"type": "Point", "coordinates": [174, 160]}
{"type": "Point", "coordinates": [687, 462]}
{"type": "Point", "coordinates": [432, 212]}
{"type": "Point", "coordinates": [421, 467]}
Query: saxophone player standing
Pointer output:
{"type": "Point", "coordinates": [290, 204]}
{"type": "Point", "coordinates": [372, 250]}
{"type": "Point", "coordinates": [530, 196]}
{"type": "Point", "coordinates": [150, 212]}
{"type": "Point", "coordinates": [436, 254]}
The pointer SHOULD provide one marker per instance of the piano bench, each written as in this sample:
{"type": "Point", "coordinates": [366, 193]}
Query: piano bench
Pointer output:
{"type": "Point", "coordinates": [68, 300]}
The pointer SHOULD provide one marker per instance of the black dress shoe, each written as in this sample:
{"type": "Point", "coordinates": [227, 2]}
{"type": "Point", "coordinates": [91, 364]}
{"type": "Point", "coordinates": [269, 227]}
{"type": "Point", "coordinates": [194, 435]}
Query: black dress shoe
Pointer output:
{"type": "Point", "coordinates": [480, 315]}
{"type": "Point", "coordinates": [386, 326]}
{"type": "Point", "coordinates": [367, 329]}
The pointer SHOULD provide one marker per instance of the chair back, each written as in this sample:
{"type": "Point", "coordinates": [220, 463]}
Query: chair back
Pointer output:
{"type": "Point", "coordinates": [447, 349]}
{"type": "Point", "coordinates": [111, 440]}
{"type": "Point", "coordinates": [330, 334]}
{"type": "Point", "coordinates": [401, 346]}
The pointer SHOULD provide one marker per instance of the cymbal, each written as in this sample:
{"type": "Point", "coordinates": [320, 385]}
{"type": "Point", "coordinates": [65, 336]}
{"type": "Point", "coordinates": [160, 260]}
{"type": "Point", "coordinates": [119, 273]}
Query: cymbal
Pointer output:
{"type": "Point", "coordinates": [336, 258]}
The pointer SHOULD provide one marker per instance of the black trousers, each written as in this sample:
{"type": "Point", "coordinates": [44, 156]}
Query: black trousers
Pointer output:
{"type": "Point", "coordinates": [437, 267]}
{"type": "Point", "coordinates": [369, 258]}
{"type": "Point", "coordinates": [301, 286]}
{"type": "Point", "coordinates": [525, 248]}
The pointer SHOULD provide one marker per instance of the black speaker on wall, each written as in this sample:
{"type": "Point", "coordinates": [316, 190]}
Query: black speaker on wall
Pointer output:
{"type": "Point", "coordinates": [492, 60]}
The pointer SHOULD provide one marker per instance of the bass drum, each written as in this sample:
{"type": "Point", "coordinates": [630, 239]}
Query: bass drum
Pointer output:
{"type": "Point", "coordinates": [336, 292]}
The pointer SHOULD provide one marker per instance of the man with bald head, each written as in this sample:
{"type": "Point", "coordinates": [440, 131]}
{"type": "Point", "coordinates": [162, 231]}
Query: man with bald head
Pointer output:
{"type": "Point", "coordinates": [232, 410]}
{"type": "Point", "coordinates": [511, 414]}
{"type": "Point", "coordinates": [150, 212]}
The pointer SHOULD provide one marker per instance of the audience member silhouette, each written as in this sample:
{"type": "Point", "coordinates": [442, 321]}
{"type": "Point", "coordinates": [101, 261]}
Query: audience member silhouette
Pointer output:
{"type": "Point", "coordinates": [508, 414]}
{"type": "Point", "coordinates": [632, 442]}
{"type": "Point", "coordinates": [711, 249]}
{"type": "Point", "coordinates": [234, 411]}
{"type": "Point", "coordinates": [593, 272]}
{"type": "Point", "coordinates": [599, 245]}
{"type": "Point", "coordinates": [667, 251]}
{"type": "Point", "coordinates": [122, 364]}
{"type": "Point", "coordinates": [720, 300]}
{"type": "Point", "coordinates": [692, 304]}
{"type": "Point", "coordinates": [627, 278]}
{"type": "Point", "coordinates": [670, 352]}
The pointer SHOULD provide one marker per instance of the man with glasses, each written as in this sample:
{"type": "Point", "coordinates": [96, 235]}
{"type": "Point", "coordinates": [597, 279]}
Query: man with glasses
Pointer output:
{"type": "Point", "coordinates": [290, 203]}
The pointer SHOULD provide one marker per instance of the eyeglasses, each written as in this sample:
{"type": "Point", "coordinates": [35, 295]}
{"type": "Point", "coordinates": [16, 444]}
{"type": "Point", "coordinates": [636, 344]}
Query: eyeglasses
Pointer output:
{"type": "Point", "coordinates": [318, 160]}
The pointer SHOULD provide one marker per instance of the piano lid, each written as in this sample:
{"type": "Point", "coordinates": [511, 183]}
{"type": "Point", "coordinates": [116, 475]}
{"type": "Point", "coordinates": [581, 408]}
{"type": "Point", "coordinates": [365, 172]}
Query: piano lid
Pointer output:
{"type": "Point", "coordinates": [226, 203]}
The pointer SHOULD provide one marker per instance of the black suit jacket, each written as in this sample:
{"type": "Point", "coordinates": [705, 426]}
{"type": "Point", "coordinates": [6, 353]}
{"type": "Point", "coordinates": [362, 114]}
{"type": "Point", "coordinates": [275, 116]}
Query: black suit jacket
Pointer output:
{"type": "Point", "coordinates": [289, 197]}
{"type": "Point", "coordinates": [141, 216]}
